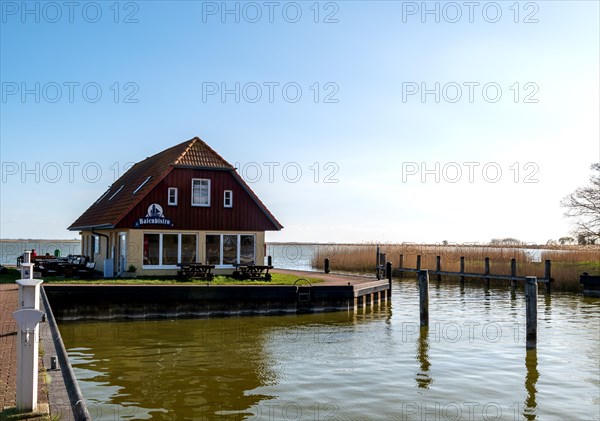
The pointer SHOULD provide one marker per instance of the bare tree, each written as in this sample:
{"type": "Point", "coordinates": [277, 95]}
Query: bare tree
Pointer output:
{"type": "Point", "coordinates": [583, 207]}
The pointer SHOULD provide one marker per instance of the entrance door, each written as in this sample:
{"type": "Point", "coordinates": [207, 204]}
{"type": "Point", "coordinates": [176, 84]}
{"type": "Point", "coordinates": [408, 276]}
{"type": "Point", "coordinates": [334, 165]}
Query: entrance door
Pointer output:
{"type": "Point", "coordinates": [122, 253]}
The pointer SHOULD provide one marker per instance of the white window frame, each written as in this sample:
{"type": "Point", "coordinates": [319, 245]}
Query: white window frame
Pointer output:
{"type": "Point", "coordinates": [169, 190]}
{"type": "Point", "coordinates": [239, 248]}
{"type": "Point", "coordinates": [160, 247]}
{"type": "Point", "coordinates": [230, 205]}
{"type": "Point", "coordinates": [192, 197]}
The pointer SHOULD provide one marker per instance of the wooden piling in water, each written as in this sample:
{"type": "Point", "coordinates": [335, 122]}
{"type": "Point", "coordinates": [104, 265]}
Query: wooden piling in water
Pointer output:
{"type": "Point", "coordinates": [462, 269]}
{"type": "Point", "coordinates": [388, 272]}
{"type": "Point", "coordinates": [486, 271]}
{"type": "Point", "coordinates": [438, 267]}
{"type": "Point", "coordinates": [548, 275]}
{"type": "Point", "coordinates": [418, 262]}
{"type": "Point", "coordinates": [424, 297]}
{"type": "Point", "coordinates": [531, 293]}
{"type": "Point", "coordinates": [401, 265]}
{"type": "Point", "coordinates": [513, 272]}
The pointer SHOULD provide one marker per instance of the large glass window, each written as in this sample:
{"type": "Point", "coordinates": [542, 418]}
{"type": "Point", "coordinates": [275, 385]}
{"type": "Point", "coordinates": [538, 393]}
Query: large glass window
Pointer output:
{"type": "Point", "coordinates": [200, 192]}
{"type": "Point", "coordinates": [230, 249]}
{"type": "Point", "coordinates": [168, 250]}
{"type": "Point", "coordinates": [188, 248]}
{"type": "Point", "coordinates": [247, 249]}
{"type": "Point", "coordinates": [96, 245]}
{"type": "Point", "coordinates": [151, 249]}
{"type": "Point", "coordinates": [213, 249]}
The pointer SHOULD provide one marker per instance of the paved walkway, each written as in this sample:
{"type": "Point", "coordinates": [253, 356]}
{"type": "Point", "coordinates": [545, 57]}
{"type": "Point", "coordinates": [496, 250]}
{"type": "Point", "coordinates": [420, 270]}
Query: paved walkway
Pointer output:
{"type": "Point", "coordinates": [330, 278]}
{"type": "Point", "coordinates": [9, 297]}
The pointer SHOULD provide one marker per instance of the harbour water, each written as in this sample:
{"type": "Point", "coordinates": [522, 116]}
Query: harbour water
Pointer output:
{"type": "Point", "coordinates": [11, 249]}
{"type": "Point", "coordinates": [374, 364]}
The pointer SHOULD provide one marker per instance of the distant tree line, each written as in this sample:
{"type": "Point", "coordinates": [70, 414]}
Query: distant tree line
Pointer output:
{"type": "Point", "coordinates": [505, 242]}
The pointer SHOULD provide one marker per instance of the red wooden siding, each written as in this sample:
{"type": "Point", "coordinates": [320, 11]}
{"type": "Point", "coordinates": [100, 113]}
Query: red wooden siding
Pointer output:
{"type": "Point", "coordinates": [245, 215]}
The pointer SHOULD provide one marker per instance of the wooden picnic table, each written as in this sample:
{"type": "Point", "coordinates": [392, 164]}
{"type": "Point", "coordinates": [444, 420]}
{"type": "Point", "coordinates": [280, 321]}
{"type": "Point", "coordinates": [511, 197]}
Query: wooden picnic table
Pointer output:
{"type": "Point", "coordinates": [196, 271]}
{"type": "Point", "coordinates": [257, 272]}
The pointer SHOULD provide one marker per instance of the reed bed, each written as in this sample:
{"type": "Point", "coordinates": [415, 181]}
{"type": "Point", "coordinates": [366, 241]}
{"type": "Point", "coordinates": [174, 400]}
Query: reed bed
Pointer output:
{"type": "Point", "coordinates": [567, 263]}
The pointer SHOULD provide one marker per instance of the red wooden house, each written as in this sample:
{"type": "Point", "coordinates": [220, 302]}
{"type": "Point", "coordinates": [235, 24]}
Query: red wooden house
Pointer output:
{"type": "Point", "coordinates": [185, 204]}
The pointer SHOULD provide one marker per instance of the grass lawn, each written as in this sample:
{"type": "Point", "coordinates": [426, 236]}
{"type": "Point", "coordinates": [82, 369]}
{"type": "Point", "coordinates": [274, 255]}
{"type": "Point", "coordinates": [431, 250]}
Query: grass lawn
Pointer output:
{"type": "Point", "coordinates": [278, 279]}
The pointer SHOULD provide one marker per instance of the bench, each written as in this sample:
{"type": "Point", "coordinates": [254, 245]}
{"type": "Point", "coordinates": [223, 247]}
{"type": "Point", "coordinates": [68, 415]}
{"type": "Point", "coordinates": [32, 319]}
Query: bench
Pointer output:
{"type": "Point", "coordinates": [195, 271]}
{"type": "Point", "coordinates": [49, 266]}
{"type": "Point", "coordinates": [86, 272]}
{"type": "Point", "coordinates": [72, 265]}
{"type": "Point", "coordinates": [254, 272]}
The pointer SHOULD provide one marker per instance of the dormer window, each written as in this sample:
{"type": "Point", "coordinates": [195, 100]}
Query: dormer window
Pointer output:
{"type": "Point", "coordinates": [200, 192]}
{"type": "Point", "coordinates": [228, 199]}
{"type": "Point", "coordinates": [172, 193]}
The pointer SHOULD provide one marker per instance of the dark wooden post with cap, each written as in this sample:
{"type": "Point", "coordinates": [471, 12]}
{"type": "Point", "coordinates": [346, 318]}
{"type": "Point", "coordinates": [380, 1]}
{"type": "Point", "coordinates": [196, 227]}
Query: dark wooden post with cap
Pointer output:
{"type": "Point", "coordinates": [401, 265]}
{"type": "Point", "coordinates": [438, 267]}
{"type": "Point", "coordinates": [486, 270]}
{"type": "Point", "coordinates": [388, 272]}
{"type": "Point", "coordinates": [531, 294]}
{"type": "Point", "coordinates": [548, 275]}
{"type": "Point", "coordinates": [513, 272]}
{"type": "Point", "coordinates": [424, 297]}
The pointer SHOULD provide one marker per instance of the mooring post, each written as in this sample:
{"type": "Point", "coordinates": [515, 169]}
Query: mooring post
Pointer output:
{"type": "Point", "coordinates": [486, 270]}
{"type": "Point", "coordinates": [388, 272]}
{"type": "Point", "coordinates": [418, 262]}
{"type": "Point", "coordinates": [269, 260]}
{"type": "Point", "coordinates": [548, 275]}
{"type": "Point", "coordinates": [438, 267]}
{"type": "Point", "coordinates": [513, 273]}
{"type": "Point", "coordinates": [531, 294]}
{"type": "Point", "coordinates": [400, 266]}
{"type": "Point", "coordinates": [424, 297]}
{"type": "Point", "coordinates": [462, 269]}
{"type": "Point", "coordinates": [28, 318]}
{"type": "Point", "coordinates": [326, 265]}
{"type": "Point", "coordinates": [377, 262]}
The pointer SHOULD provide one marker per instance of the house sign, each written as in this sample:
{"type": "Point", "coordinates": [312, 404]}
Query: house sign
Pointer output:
{"type": "Point", "coordinates": [154, 216]}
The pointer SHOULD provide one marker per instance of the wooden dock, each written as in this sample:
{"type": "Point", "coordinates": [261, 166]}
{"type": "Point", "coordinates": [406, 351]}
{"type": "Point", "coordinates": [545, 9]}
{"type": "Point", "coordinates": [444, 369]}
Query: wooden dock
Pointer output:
{"type": "Point", "coordinates": [486, 275]}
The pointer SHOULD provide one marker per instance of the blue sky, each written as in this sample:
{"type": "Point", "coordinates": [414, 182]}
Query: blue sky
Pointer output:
{"type": "Point", "coordinates": [508, 124]}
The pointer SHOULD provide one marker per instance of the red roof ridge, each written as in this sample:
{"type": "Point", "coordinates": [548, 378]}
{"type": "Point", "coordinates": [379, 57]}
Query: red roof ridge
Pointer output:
{"type": "Point", "coordinates": [193, 141]}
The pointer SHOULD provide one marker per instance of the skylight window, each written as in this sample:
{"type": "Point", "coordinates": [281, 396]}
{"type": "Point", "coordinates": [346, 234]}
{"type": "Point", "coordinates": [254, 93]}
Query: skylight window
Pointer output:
{"type": "Point", "coordinates": [141, 185]}
{"type": "Point", "coordinates": [103, 196]}
{"type": "Point", "coordinates": [117, 192]}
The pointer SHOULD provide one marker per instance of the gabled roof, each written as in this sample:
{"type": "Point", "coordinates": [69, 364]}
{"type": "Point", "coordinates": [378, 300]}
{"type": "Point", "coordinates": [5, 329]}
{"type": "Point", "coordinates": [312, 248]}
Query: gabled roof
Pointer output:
{"type": "Point", "coordinates": [135, 184]}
